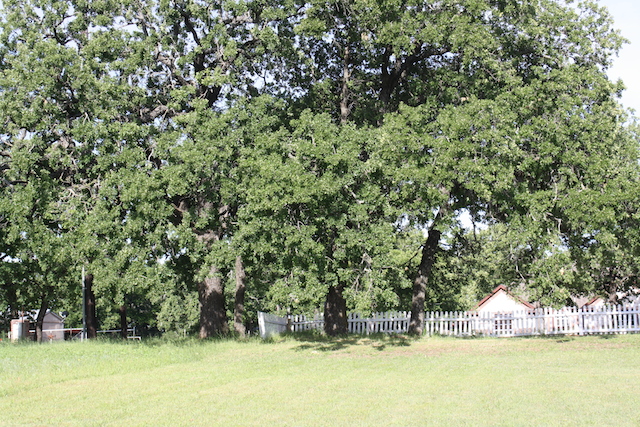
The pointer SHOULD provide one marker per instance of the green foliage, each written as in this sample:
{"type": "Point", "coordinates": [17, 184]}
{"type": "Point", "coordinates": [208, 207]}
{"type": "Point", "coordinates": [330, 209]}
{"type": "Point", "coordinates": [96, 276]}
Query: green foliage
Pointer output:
{"type": "Point", "coordinates": [317, 215]}
{"type": "Point", "coordinates": [153, 142]}
{"type": "Point", "coordinates": [179, 313]}
{"type": "Point", "coordinates": [536, 267]}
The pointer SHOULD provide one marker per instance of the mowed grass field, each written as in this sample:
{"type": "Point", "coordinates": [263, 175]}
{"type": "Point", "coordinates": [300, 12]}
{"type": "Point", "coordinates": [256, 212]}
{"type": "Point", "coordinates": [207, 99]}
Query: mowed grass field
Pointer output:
{"type": "Point", "coordinates": [310, 380]}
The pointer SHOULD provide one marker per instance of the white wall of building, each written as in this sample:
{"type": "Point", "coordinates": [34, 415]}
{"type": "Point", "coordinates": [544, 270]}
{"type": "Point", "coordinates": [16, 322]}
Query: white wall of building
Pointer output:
{"type": "Point", "coordinates": [501, 302]}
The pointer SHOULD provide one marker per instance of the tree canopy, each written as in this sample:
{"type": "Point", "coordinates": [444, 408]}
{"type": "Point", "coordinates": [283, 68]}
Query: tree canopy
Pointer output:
{"type": "Point", "coordinates": [318, 156]}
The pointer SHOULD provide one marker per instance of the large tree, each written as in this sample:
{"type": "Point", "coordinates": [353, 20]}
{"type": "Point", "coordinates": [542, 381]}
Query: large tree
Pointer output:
{"type": "Point", "coordinates": [520, 138]}
{"type": "Point", "coordinates": [77, 141]}
{"type": "Point", "coordinates": [316, 205]}
{"type": "Point", "coordinates": [497, 103]}
{"type": "Point", "coordinates": [302, 144]}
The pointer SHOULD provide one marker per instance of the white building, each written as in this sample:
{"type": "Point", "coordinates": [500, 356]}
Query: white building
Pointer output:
{"type": "Point", "coordinates": [500, 300]}
{"type": "Point", "coordinates": [52, 327]}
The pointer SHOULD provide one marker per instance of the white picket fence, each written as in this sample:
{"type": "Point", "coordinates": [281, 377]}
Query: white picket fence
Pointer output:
{"type": "Point", "coordinates": [544, 321]}
{"type": "Point", "coordinates": [392, 322]}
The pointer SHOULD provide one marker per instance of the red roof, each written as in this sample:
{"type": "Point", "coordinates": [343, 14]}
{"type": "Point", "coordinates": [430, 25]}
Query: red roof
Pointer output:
{"type": "Point", "coordinates": [593, 300]}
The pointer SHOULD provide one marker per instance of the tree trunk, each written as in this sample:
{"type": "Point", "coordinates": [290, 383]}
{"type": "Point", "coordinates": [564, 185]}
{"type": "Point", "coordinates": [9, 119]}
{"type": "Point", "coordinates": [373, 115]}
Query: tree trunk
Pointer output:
{"type": "Point", "coordinates": [345, 101]}
{"type": "Point", "coordinates": [123, 322]}
{"type": "Point", "coordinates": [238, 312]}
{"type": "Point", "coordinates": [90, 304]}
{"type": "Point", "coordinates": [429, 251]}
{"type": "Point", "coordinates": [335, 313]}
{"type": "Point", "coordinates": [44, 305]}
{"type": "Point", "coordinates": [12, 305]}
{"type": "Point", "coordinates": [213, 313]}
{"type": "Point", "coordinates": [12, 300]}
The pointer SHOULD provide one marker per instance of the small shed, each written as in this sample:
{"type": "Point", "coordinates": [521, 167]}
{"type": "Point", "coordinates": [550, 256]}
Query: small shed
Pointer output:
{"type": "Point", "coordinates": [52, 327]}
{"type": "Point", "coordinates": [500, 300]}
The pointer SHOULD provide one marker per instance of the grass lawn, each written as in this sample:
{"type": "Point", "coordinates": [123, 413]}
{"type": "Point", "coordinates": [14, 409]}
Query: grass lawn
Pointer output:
{"type": "Point", "coordinates": [314, 381]}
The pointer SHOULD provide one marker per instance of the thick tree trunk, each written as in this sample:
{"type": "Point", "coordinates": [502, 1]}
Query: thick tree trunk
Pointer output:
{"type": "Point", "coordinates": [123, 322]}
{"type": "Point", "coordinates": [213, 312]}
{"type": "Point", "coordinates": [44, 305]}
{"type": "Point", "coordinates": [429, 251]}
{"type": "Point", "coordinates": [335, 313]}
{"type": "Point", "coordinates": [238, 312]}
{"type": "Point", "coordinates": [90, 304]}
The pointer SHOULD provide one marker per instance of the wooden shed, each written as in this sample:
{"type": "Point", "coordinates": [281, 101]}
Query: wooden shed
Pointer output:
{"type": "Point", "coordinates": [52, 327]}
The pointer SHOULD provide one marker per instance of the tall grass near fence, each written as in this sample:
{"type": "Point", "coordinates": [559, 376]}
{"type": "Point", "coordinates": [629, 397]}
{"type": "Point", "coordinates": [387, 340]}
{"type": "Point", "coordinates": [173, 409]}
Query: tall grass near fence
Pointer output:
{"type": "Point", "coordinates": [308, 379]}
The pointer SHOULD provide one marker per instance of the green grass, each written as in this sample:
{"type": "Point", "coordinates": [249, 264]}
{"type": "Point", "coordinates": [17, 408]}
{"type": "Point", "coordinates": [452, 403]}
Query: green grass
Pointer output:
{"type": "Point", "coordinates": [311, 380]}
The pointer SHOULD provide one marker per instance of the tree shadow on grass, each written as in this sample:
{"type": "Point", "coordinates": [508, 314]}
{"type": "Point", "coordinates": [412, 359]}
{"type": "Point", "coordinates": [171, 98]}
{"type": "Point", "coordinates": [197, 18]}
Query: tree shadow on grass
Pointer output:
{"type": "Point", "coordinates": [607, 336]}
{"type": "Point", "coordinates": [317, 341]}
